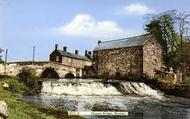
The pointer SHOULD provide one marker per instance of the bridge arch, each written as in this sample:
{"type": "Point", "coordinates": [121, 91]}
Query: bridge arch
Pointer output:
{"type": "Point", "coordinates": [50, 73]}
{"type": "Point", "coordinates": [70, 75]}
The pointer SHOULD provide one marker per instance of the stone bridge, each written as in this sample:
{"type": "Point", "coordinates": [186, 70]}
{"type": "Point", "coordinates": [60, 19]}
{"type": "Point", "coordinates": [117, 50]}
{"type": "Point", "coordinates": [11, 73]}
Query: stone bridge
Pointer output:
{"type": "Point", "coordinates": [44, 69]}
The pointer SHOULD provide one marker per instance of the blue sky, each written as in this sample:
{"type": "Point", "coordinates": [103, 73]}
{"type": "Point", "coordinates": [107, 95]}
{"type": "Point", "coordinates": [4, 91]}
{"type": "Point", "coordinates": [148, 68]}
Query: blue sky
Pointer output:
{"type": "Point", "coordinates": [77, 24]}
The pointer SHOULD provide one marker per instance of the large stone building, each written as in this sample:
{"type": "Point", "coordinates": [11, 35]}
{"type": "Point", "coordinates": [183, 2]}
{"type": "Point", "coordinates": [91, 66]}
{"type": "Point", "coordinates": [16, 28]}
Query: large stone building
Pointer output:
{"type": "Point", "coordinates": [133, 57]}
{"type": "Point", "coordinates": [71, 59]}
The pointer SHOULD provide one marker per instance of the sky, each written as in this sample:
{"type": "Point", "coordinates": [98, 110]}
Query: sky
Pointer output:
{"type": "Point", "coordinates": [77, 24]}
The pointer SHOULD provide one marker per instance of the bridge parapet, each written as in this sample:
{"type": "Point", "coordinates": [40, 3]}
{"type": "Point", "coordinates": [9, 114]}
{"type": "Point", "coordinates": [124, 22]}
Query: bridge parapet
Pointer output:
{"type": "Point", "coordinates": [13, 68]}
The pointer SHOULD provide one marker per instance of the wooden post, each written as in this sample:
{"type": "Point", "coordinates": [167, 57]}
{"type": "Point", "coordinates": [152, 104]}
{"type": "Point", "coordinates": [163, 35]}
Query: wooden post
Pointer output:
{"type": "Point", "coordinates": [33, 57]}
{"type": "Point", "coordinates": [5, 64]}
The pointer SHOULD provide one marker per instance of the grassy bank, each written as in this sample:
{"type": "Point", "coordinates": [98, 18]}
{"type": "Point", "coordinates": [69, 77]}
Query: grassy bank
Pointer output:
{"type": "Point", "coordinates": [22, 110]}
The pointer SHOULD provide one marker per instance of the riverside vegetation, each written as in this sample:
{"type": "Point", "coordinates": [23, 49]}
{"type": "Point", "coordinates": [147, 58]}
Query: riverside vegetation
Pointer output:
{"type": "Point", "coordinates": [11, 88]}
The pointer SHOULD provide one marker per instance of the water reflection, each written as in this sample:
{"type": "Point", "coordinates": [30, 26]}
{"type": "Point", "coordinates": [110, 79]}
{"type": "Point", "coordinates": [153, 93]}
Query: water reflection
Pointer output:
{"type": "Point", "coordinates": [138, 107]}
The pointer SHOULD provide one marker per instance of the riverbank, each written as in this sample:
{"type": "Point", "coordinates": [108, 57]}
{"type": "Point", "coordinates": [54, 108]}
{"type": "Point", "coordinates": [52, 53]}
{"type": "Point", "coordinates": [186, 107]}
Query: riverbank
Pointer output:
{"type": "Point", "coordinates": [180, 90]}
{"type": "Point", "coordinates": [168, 87]}
{"type": "Point", "coordinates": [165, 85]}
{"type": "Point", "coordinates": [18, 109]}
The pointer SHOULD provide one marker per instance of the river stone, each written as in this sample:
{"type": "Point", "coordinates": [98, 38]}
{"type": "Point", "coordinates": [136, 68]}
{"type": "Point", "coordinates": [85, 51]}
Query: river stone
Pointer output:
{"type": "Point", "coordinates": [3, 110]}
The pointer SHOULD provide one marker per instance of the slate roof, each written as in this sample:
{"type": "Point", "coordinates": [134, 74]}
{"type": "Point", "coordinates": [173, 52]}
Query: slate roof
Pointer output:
{"type": "Point", "coordinates": [122, 43]}
{"type": "Point", "coordinates": [72, 55]}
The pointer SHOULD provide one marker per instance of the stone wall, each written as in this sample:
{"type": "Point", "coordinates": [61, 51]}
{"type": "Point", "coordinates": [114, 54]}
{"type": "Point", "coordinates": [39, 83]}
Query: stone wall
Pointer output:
{"type": "Point", "coordinates": [12, 69]}
{"type": "Point", "coordinates": [75, 62]}
{"type": "Point", "coordinates": [152, 57]}
{"type": "Point", "coordinates": [124, 62]}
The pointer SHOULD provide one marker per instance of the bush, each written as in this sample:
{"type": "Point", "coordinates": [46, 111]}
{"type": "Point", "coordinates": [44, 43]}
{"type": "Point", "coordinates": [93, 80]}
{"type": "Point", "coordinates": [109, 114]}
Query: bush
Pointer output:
{"type": "Point", "coordinates": [27, 76]}
{"type": "Point", "coordinates": [187, 80]}
{"type": "Point", "coordinates": [15, 86]}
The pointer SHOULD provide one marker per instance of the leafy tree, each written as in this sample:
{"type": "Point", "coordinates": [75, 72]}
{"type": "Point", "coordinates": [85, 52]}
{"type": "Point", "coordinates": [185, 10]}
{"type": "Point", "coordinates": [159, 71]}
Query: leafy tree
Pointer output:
{"type": "Point", "coordinates": [1, 61]}
{"type": "Point", "coordinates": [27, 76]}
{"type": "Point", "coordinates": [181, 60]}
{"type": "Point", "coordinates": [169, 29]}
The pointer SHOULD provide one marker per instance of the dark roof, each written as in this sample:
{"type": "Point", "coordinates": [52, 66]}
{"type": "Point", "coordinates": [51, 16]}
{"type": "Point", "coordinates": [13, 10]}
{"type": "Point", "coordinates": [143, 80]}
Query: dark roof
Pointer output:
{"type": "Point", "coordinates": [72, 55]}
{"type": "Point", "coordinates": [122, 43]}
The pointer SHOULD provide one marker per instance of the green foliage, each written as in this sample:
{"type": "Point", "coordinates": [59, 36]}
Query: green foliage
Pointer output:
{"type": "Point", "coordinates": [18, 109]}
{"type": "Point", "coordinates": [1, 61]}
{"type": "Point", "coordinates": [187, 80]}
{"type": "Point", "coordinates": [181, 59]}
{"type": "Point", "coordinates": [15, 86]}
{"type": "Point", "coordinates": [168, 79]}
{"type": "Point", "coordinates": [169, 30]}
{"type": "Point", "coordinates": [27, 76]}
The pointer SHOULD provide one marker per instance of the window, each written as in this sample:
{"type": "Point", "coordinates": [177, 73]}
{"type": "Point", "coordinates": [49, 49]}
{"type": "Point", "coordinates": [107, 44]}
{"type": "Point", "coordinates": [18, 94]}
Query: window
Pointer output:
{"type": "Point", "coordinates": [57, 58]}
{"type": "Point", "coordinates": [153, 51]}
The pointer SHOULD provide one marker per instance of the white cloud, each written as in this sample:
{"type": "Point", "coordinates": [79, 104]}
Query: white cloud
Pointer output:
{"type": "Point", "coordinates": [84, 25]}
{"type": "Point", "coordinates": [138, 9]}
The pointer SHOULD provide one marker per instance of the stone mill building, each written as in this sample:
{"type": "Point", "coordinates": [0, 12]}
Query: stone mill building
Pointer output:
{"type": "Point", "coordinates": [133, 57]}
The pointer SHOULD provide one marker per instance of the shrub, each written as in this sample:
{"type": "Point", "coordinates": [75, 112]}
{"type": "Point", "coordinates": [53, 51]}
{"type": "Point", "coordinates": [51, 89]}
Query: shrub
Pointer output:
{"type": "Point", "coordinates": [15, 86]}
{"type": "Point", "coordinates": [105, 75]}
{"type": "Point", "coordinates": [27, 76]}
{"type": "Point", "coordinates": [187, 80]}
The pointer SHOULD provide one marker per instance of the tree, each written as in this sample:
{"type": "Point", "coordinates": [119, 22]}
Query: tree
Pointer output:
{"type": "Point", "coordinates": [181, 59]}
{"type": "Point", "coordinates": [169, 28]}
{"type": "Point", "coordinates": [1, 61]}
{"type": "Point", "coordinates": [27, 75]}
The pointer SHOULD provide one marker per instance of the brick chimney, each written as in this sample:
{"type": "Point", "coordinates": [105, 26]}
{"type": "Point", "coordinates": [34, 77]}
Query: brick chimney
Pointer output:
{"type": "Point", "coordinates": [99, 41]}
{"type": "Point", "coordinates": [76, 52]}
{"type": "Point", "coordinates": [89, 53]}
{"type": "Point", "coordinates": [86, 53]}
{"type": "Point", "coordinates": [56, 46]}
{"type": "Point", "coordinates": [65, 48]}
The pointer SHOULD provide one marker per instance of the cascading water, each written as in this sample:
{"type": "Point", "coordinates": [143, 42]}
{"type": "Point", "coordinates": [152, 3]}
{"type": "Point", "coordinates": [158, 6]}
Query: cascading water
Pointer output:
{"type": "Point", "coordinates": [94, 88]}
{"type": "Point", "coordinates": [137, 98]}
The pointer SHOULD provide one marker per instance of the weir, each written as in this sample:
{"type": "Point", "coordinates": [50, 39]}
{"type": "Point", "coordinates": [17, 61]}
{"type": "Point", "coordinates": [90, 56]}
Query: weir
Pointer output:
{"type": "Point", "coordinates": [110, 95]}
{"type": "Point", "coordinates": [97, 88]}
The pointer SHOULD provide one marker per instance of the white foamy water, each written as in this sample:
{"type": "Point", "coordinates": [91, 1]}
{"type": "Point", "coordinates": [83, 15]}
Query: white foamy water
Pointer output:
{"type": "Point", "coordinates": [138, 99]}
{"type": "Point", "coordinates": [140, 89]}
{"type": "Point", "coordinates": [87, 88]}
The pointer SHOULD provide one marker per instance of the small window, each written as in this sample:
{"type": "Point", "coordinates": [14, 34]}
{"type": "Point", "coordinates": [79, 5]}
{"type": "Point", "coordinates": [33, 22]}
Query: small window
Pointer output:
{"type": "Point", "coordinates": [153, 51]}
{"type": "Point", "coordinates": [57, 58]}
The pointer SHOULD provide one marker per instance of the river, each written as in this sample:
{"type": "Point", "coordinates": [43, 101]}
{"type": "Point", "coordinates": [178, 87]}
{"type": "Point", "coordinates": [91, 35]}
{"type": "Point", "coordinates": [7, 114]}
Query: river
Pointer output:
{"type": "Point", "coordinates": [138, 99]}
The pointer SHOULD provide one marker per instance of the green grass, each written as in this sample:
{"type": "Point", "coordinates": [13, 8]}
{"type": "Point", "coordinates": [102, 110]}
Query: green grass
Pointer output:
{"type": "Point", "coordinates": [187, 80]}
{"type": "Point", "coordinates": [18, 109]}
{"type": "Point", "coordinates": [167, 79]}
